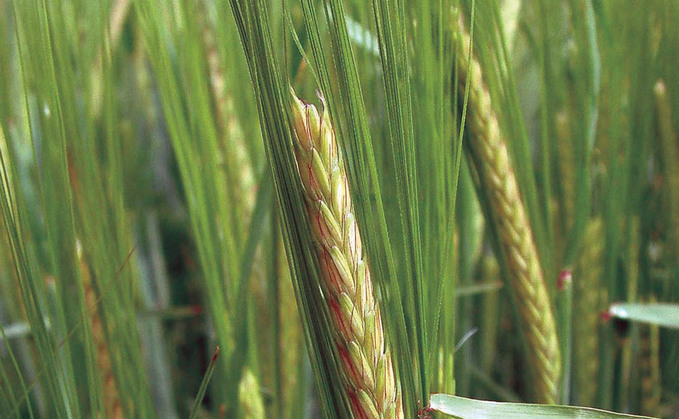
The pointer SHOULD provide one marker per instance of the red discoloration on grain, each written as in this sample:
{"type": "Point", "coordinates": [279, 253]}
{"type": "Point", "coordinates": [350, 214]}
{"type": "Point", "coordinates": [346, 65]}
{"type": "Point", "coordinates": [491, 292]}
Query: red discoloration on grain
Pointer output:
{"type": "Point", "coordinates": [356, 405]}
{"type": "Point", "coordinates": [330, 271]}
{"type": "Point", "coordinates": [313, 184]}
{"type": "Point", "coordinates": [340, 321]}
{"type": "Point", "coordinates": [348, 364]}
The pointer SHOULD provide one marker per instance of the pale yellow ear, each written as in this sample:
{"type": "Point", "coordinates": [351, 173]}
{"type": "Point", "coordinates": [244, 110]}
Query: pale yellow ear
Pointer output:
{"type": "Point", "coordinates": [367, 373]}
{"type": "Point", "coordinates": [489, 156]}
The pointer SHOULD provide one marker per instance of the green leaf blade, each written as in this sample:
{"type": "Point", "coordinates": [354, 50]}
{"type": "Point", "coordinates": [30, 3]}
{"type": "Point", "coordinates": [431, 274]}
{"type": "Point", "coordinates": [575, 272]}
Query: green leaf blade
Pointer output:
{"type": "Point", "coordinates": [664, 315]}
{"type": "Point", "coordinates": [461, 407]}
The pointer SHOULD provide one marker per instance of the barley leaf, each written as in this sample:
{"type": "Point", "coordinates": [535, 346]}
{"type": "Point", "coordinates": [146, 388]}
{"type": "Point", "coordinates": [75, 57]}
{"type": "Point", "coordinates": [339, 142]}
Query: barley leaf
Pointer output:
{"type": "Point", "coordinates": [664, 315]}
{"type": "Point", "coordinates": [463, 408]}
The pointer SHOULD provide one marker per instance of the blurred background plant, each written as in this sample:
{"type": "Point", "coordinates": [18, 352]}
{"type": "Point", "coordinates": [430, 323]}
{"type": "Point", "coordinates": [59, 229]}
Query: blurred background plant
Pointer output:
{"type": "Point", "coordinates": [156, 256]}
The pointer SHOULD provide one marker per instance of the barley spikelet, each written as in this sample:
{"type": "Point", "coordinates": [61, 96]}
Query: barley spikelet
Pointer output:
{"type": "Point", "coordinates": [488, 154]}
{"type": "Point", "coordinates": [112, 406]}
{"type": "Point", "coordinates": [650, 370]}
{"type": "Point", "coordinates": [587, 306]}
{"type": "Point", "coordinates": [368, 375]}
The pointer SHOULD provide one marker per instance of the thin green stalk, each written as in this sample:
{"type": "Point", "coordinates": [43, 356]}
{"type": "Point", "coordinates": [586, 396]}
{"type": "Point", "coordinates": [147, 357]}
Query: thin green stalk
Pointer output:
{"type": "Point", "coordinates": [195, 408]}
{"type": "Point", "coordinates": [565, 319]}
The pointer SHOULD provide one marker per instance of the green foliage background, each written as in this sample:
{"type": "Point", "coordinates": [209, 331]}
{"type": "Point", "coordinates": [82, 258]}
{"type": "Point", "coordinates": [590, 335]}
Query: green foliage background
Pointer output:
{"type": "Point", "coordinates": [158, 136]}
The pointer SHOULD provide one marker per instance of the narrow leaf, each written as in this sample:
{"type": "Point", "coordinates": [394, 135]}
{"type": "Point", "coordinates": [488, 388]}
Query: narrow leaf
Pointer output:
{"type": "Point", "coordinates": [203, 385]}
{"type": "Point", "coordinates": [461, 407]}
{"type": "Point", "coordinates": [665, 315]}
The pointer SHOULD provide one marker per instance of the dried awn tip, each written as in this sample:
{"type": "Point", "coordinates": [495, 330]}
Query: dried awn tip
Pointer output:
{"type": "Point", "coordinates": [368, 374]}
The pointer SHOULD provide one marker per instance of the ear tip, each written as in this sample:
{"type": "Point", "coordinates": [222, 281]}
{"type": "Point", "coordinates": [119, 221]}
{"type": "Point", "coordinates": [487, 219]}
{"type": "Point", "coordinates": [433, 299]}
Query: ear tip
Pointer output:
{"type": "Point", "coordinates": [299, 103]}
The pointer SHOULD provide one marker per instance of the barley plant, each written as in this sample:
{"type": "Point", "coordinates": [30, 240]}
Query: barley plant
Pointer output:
{"type": "Point", "coordinates": [339, 208]}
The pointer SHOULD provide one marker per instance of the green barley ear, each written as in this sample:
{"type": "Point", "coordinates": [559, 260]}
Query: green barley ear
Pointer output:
{"type": "Point", "coordinates": [587, 306]}
{"type": "Point", "coordinates": [496, 180]}
{"type": "Point", "coordinates": [368, 374]}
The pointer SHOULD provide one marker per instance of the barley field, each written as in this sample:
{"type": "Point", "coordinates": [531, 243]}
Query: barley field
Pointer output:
{"type": "Point", "coordinates": [339, 209]}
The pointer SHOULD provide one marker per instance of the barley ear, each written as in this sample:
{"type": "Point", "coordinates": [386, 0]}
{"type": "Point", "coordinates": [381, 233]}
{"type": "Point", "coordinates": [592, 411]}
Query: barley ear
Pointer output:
{"type": "Point", "coordinates": [368, 374]}
{"type": "Point", "coordinates": [487, 151]}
